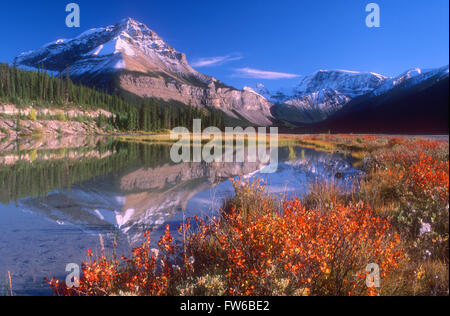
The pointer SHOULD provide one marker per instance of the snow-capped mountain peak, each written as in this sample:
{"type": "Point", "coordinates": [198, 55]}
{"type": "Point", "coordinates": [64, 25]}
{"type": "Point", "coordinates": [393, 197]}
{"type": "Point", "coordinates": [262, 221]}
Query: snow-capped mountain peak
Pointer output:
{"type": "Point", "coordinates": [410, 78]}
{"type": "Point", "coordinates": [325, 92]}
{"type": "Point", "coordinates": [349, 83]}
{"type": "Point", "coordinates": [129, 56]}
{"type": "Point", "coordinates": [108, 49]}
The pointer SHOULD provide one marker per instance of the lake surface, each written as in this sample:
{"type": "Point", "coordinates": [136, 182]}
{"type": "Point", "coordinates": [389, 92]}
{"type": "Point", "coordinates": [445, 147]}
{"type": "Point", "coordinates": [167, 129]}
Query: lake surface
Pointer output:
{"type": "Point", "coordinates": [62, 195]}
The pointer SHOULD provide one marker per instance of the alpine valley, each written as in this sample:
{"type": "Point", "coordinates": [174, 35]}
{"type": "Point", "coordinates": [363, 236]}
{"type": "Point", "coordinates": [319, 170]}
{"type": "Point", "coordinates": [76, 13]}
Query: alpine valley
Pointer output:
{"type": "Point", "coordinates": [107, 181]}
{"type": "Point", "coordinates": [130, 59]}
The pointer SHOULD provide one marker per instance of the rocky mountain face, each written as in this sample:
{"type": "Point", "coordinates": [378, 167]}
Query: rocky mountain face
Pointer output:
{"type": "Point", "coordinates": [325, 93]}
{"type": "Point", "coordinates": [235, 103]}
{"type": "Point", "coordinates": [320, 95]}
{"type": "Point", "coordinates": [132, 57]}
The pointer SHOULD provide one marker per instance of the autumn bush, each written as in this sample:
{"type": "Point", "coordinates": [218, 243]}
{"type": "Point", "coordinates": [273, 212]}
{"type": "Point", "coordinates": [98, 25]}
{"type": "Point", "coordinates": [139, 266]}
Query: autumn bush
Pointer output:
{"type": "Point", "coordinates": [397, 217]}
{"type": "Point", "coordinates": [247, 250]}
{"type": "Point", "coordinates": [410, 184]}
{"type": "Point", "coordinates": [147, 272]}
{"type": "Point", "coordinates": [296, 250]}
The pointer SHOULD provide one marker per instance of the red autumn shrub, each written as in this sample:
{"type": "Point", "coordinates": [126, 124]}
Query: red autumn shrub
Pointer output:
{"type": "Point", "coordinates": [255, 247]}
{"type": "Point", "coordinates": [146, 273]}
{"type": "Point", "coordinates": [429, 177]}
{"type": "Point", "coordinates": [411, 185]}
{"type": "Point", "coordinates": [296, 251]}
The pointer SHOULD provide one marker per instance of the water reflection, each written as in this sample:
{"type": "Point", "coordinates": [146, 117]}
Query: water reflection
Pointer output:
{"type": "Point", "coordinates": [58, 194]}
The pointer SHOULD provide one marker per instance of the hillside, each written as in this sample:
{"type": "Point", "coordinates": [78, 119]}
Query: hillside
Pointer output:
{"type": "Point", "coordinates": [55, 98]}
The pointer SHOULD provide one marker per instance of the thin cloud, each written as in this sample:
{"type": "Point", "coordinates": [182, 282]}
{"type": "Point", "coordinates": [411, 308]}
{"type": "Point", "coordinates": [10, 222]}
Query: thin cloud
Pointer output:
{"type": "Point", "coordinates": [215, 61]}
{"type": "Point", "coordinates": [262, 74]}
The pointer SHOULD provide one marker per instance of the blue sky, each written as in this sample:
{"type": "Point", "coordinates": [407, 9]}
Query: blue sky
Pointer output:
{"type": "Point", "coordinates": [244, 42]}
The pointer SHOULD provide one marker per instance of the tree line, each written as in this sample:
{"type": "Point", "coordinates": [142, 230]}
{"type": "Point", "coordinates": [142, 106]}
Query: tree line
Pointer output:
{"type": "Point", "coordinates": [41, 89]}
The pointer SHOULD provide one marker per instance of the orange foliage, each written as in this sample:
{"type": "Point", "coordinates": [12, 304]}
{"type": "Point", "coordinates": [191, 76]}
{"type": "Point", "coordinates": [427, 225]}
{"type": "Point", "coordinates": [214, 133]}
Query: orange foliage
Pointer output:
{"type": "Point", "coordinates": [417, 169]}
{"type": "Point", "coordinates": [429, 177]}
{"type": "Point", "coordinates": [142, 274]}
{"type": "Point", "coordinates": [318, 251]}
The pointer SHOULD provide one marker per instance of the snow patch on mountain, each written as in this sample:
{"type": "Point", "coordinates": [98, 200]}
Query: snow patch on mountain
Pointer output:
{"type": "Point", "coordinates": [128, 38]}
{"type": "Point", "coordinates": [410, 78]}
{"type": "Point", "coordinates": [146, 66]}
{"type": "Point", "coordinates": [348, 83]}
{"type": "Point", "coordinates": [325, 92]}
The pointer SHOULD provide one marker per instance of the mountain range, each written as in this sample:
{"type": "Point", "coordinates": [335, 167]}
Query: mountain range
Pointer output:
{"type": "Point", "coordinates": [319, 96]}
{"type": "Point", "coordinates": [129, 57]}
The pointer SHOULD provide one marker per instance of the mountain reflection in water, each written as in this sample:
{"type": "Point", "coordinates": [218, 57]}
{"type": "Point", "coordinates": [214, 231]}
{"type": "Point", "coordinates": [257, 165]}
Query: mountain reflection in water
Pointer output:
{"type": "Point", "coordinates": [58, 194]}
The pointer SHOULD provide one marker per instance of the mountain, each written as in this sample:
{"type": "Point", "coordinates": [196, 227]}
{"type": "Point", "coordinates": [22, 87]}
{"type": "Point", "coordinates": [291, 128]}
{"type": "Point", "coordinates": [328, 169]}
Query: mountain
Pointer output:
{"type": "Point", "coordinates": [329, 93]}
{"type": "Point", "coordinates": [410, 78]}
{"type": "Point", "coordinates": [320, 95]}
{"type": "Point", "coordinates": [416, 102]}
{"type": "Point", "coordinates": [130, 57]}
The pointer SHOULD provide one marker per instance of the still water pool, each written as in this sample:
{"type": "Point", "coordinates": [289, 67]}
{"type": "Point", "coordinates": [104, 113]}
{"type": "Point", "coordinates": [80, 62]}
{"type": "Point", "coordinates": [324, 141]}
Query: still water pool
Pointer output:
{"type": "Point", "coordinates": [61, 196]}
